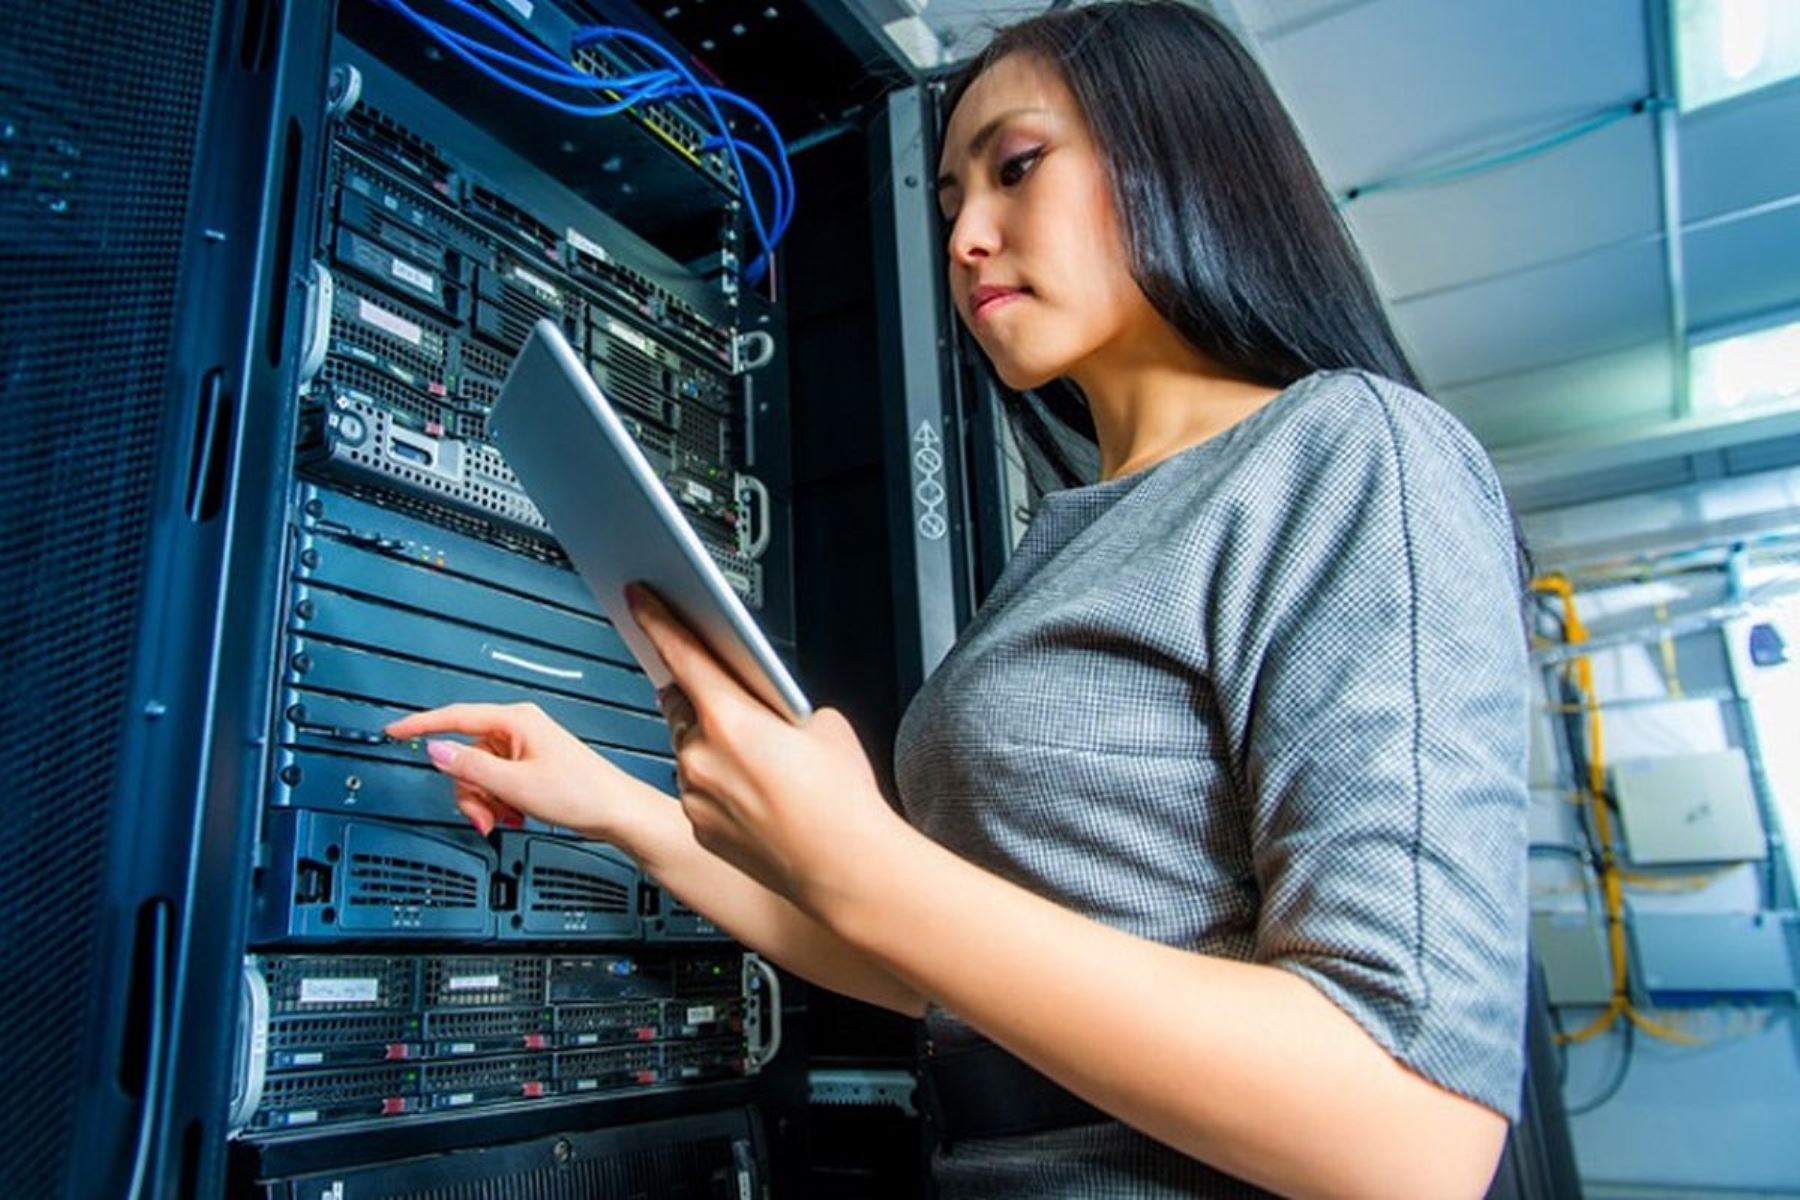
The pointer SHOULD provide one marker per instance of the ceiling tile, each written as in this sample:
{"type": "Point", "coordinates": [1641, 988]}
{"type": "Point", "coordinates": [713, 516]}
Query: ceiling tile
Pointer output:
{"type": "Point", "coordinates": [1738, 270]}
{"type": "Point", "coordinates": [1741, 153]}
{"type": "Point", "coordinates": [1271, 18]}
{"type": "Point", "coordinates": [1388, 87]}
{"type": "Point", "coordinates": [1590, 193]}
{"type": "Point", "coordinates": [1622, 388]}
{"type": "Point", "coordinates": [1568, 309]}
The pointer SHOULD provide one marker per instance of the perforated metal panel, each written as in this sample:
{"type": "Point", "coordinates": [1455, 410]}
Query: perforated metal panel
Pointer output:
{"type": "Point", "coordinates": [98, 109]}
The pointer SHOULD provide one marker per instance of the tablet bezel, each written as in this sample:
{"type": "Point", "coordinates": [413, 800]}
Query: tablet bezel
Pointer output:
{"type": "Point", "coordinates": [591, 482]}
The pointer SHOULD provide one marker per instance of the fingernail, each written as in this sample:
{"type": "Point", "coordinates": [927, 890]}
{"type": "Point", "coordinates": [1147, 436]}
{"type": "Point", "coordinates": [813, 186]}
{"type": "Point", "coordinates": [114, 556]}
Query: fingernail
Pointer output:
{"type": "Point", "coordinates": [513, 821]}
{"type": "Point", "coordinates": [442, 753]}
{"type": "Point", "coordinates": [634, 596]}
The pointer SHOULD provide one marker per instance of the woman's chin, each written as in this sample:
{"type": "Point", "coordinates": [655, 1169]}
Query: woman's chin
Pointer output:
{"type": "Point", "coordinates": [1022, 377]}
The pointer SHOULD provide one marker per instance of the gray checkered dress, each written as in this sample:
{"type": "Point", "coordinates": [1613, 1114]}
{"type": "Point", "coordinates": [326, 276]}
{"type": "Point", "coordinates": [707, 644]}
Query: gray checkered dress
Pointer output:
{"type": "Point", "coordinates": [1265, 700]}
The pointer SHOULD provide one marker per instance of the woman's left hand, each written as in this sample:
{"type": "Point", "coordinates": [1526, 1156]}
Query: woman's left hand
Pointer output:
{"type": "Point", "coordinates": [796, 807]}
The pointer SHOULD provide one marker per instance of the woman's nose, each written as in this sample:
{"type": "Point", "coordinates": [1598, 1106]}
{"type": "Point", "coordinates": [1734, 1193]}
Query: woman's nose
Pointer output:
{"type": "Point", "coordinates": [972, 237]}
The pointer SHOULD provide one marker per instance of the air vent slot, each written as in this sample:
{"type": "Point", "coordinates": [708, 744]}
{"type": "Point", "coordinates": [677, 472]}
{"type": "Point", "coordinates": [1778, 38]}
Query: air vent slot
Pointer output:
{"type": "Point", "coordinates": [386, 880]}
{"type": "Point", "coordinates": [554, 889]}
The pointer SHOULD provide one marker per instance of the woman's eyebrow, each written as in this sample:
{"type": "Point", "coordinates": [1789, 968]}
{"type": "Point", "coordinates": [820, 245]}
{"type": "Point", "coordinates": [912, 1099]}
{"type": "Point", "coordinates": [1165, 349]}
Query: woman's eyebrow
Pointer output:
{"type": "Point", "coordinates": [982, 137]}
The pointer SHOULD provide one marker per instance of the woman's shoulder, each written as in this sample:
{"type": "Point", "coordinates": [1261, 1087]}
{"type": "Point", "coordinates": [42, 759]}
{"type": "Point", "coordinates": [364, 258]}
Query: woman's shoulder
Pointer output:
{"type": "Point", "coordinates": [1357, 407]}
{"type": "Point", "coordinates": [1351, 423]}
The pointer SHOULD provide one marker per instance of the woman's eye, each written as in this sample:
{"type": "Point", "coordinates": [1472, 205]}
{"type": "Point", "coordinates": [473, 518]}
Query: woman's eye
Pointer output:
{"type": "Point", "coordinates": [1013, 169]}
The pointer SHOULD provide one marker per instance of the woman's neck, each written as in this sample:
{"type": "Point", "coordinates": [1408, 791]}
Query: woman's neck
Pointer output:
{"type": "Point", "coordinates": [1157, 401]}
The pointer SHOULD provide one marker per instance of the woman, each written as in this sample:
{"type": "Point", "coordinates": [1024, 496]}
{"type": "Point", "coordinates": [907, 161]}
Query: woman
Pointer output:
{"type": "Point", "coordinates": [1214, 815]}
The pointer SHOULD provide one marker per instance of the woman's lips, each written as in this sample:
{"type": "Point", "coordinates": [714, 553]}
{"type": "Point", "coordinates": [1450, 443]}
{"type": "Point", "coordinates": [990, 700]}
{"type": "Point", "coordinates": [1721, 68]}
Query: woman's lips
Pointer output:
{"type": "Point", "coordinates": [984, 301]}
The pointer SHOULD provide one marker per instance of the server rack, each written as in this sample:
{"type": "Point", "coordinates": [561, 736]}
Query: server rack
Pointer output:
{"type": "Point", "coordinates": [287, 965]}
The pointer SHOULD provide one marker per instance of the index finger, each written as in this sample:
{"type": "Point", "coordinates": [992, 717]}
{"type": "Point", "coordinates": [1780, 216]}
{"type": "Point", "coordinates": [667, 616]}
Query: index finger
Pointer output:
{"type": "Point", "coordinates": [472, 719]}
{"type": "Point", "coordinates": [697, 671]}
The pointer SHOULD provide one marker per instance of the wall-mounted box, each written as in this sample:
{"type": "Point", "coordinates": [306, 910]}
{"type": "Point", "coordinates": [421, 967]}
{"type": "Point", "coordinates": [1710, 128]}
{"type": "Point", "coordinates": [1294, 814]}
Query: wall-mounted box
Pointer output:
{"type": "Point", "coordinates": [1572, 948]}
{"type": "Point", "coordinates": [1713, 952]}
{"type": "Point", "coordinates": [1689, 808]}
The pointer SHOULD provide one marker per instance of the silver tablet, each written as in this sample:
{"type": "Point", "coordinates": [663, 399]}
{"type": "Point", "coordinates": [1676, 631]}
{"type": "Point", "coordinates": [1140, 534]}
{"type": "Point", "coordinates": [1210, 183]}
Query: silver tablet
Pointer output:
{"type": "Point", "coordinates": [615, 519]}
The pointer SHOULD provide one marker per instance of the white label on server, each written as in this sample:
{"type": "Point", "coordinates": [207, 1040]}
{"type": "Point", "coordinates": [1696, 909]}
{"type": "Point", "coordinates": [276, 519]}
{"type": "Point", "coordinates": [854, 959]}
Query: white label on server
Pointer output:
{"type": "Point", "coordinates": [460, 1098]}
{"type": "Point", "coordinates": [462, 1047]}
{"type": "Point", "coordinates": [629, 336]}
{"type": "Point", "coordinates": [311, 1058]}
{"type": "Point", "coordinates": [744, 1189]}
{"type": "Point", "coordinates": [340, 991]}
{"type": "Point", "coordinates": [472, 983]}
{"type": "Point", "coordinates": [406, 272]}
{"type": "Point", "coordinates": [700, 1014]}
{"type": "Point", "coordinates": [304, 1117]}
{"type": "Point", "coordinates": [587, 245]}
{"type": "Point", "coordinates": [697, 491]}
{"type": "Point", "coordinates": [394, 323]}
{"type": "Point", "coordinates": [536, 283]}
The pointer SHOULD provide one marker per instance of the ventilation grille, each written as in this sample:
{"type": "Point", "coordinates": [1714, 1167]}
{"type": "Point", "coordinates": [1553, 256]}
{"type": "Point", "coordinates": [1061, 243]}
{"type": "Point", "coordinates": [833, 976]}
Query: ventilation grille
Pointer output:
{"type": "Point", "coordinates": [556, 889]}
{"type": "Point", "coordinates": [485, 1074]}
{"type": "Point", "coordinates": [102, 114]}
{"type": "Point", "coordinates": [453, 519]}
{"type": "Point", "coordinates": [352, 376]}
{"type": "Point", "coordinates": [399, 146]}
{"type": "Point", "coordinates": [387, 880]}
{"type": "Point", "coordinates": [304, 985]}
{"type": "Point", "coordinates": [331, 1089]}
{"type": "Point", "coordinates": [317, 1032]}
{"type": "Point", "coordinates": [704, 1169]}
{"type": "Point", "coordinates": [477, 982]}
{"type": "Point", "coordinates": [488, 1023]}
{"type": "Point", "coordinates": [501, 213]}
{"type": "Point", "coordinates": [370, 327]}
{"type": "Point", "coordinates": [604, 1017]}
{"type": "Point", "coordinates": [611, 1066]}
{"type": "Point", "coordinates": [345, 168]}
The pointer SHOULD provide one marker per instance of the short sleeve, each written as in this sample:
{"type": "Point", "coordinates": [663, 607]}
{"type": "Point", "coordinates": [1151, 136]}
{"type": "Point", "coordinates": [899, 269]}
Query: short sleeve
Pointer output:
{"type": "Point", "coordinates": [1371, 644]}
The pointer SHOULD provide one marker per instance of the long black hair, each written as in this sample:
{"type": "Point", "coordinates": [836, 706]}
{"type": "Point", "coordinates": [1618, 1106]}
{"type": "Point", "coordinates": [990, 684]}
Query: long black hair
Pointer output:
{"type": "Point", "coordinates": [1228, 227]}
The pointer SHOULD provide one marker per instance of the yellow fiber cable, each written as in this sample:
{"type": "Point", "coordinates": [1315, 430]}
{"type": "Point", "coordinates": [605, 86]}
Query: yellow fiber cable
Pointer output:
{"type": "Point", "coordinates": [1611, 884]}
{"type": "Point", "coordinates": [1671, 670]}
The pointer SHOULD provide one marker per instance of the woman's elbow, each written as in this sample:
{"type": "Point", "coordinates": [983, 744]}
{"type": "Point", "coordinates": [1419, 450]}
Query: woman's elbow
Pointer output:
{"type": "Point", "coordinates": [1450, 1152]}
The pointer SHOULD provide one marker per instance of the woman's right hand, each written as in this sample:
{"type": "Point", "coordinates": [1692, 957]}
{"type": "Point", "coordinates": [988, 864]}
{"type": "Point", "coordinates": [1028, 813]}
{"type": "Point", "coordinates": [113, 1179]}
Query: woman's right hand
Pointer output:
{"type": "Point", "coordinates": [519, 763]}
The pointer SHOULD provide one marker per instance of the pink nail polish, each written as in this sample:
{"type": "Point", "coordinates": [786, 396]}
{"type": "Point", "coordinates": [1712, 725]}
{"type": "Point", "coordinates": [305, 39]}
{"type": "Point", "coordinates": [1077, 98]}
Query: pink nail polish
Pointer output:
{"type": "Point", "coordinates": [442, 753]}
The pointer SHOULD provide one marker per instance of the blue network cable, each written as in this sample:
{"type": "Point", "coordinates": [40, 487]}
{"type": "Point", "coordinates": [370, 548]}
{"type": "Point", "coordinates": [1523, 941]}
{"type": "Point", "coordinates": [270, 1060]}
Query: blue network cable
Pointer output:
{"type": "Point", "coordinates": [635, 89]}
{"type": "Point", "coordinates": [594, 33]}
{"type": "Point", "coordinates": [1477, 166]}
{"type": "Point", "coordinates": [674, 82]}
{"type": "Point", "coordinates": [781, 151]}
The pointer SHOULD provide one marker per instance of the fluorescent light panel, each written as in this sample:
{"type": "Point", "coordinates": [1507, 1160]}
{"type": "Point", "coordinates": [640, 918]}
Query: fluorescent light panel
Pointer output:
{"type": "Point", "coordinates": [1725, 48]}
{"type": "Point", "coordinates": [1751, 370]}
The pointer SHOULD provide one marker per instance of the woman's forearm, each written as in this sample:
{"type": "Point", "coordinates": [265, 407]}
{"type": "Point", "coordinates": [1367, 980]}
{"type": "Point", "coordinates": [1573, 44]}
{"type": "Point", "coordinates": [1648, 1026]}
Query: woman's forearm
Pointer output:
{"type": "Point", "coordinates": [661, 840]}
{"type": "Point", "coordinates": [1245, 1066]}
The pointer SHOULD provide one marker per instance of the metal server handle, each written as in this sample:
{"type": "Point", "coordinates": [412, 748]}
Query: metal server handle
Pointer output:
{"type": "Point", "coordinates": [753, 546]}
{"type": "Point", "coordinates": [757, 970]}
{"type": "Point", "coordinates": [315, 338]}
{"type": "Point", "coordinates": [253, 1048]}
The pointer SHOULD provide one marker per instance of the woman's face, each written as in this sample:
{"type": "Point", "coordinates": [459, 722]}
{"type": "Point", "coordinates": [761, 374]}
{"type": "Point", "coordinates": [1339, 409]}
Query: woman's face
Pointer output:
{"type": "Point", "coordinates": [1037, 259]}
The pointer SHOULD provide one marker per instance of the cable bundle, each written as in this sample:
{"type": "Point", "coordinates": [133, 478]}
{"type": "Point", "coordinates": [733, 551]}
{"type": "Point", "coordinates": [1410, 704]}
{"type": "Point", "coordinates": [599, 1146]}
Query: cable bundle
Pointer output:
{"type": "Point", "coordinates": [673, 81]}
